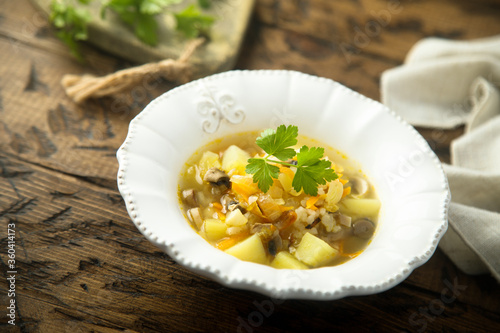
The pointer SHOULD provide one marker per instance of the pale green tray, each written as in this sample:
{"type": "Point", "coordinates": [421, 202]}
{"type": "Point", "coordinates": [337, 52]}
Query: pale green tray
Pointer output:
{"type": "Point", "coordinates": [218, 54]}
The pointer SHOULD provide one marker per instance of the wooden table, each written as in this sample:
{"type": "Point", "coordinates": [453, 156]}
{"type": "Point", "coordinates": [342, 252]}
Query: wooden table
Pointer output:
{"type": "Point", "coordinates": [81, 264]}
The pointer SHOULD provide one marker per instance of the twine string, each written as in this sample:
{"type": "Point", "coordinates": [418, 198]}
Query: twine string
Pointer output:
{"type": "Point", "coordinates": [82, 87]}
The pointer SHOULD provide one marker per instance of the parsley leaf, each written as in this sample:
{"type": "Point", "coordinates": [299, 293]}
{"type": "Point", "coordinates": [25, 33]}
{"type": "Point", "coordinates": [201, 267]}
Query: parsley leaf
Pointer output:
{"type": "Point", "coordinates": [312, 169]}
{"type": "Point", "coordinates": [140, 15]}
{"type": "Point", "coordinates": [308, 156]}
{"type": "Point", "coordinates": [71, 23]}
{"type": "Point", "coordinates": [205, 4]}
{"type": "Point", "coordinates": [275, 142]}
{"type": "Point", "coordinates": [192, 23]}
{"type": "Point", "coordinates": [263, 172]}
{"type": "Point", "coordinates": [71, 20]}
{"type": "Point", "coordinates": [153, 7]}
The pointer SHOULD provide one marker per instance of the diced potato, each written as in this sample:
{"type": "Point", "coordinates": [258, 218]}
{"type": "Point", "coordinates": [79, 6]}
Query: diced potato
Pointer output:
{"type": "Point", "coordinates": [285, 260]}
{"type": "Point", "coordinates": [235, 218]}
{"type": "Point", "coordinates": [334, 194]}
{"type": "Point", "coordinates": [214, 229]}
{"type": "Point", "coordinates": [314, 251]}
{"type": "Point", "coordinates": [235, 158]}
{"type": "Point", "coordinates": [251, 249]}
{"type": "Point", "coordinates": [286, 182]}
{"type": "Point", "coordinates": [209, 160]}
{"type": "Point", "coordinates": [236, 230]}
{"type": "Point", "coordinates": [361, 207]}
{"type": "Point", "coordinates": [275, 191]}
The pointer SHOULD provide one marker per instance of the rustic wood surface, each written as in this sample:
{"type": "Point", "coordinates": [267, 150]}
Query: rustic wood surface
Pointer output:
{"type": "Point", "coordinates": [81, 264]}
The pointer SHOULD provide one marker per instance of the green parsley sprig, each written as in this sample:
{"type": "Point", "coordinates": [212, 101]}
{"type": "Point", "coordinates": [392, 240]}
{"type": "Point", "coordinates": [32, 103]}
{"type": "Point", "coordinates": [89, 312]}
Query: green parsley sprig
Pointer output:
{"type": "Point", "coordinates": [71, 18]}
{"type": "Point", "coordinates": [140, 15]}
{"type": "Point", "coordinates": [71, 23]}
{"type": "Point", "coordinates": [312, 169]}
{"type": "Point", "coordinates": [192, 23]}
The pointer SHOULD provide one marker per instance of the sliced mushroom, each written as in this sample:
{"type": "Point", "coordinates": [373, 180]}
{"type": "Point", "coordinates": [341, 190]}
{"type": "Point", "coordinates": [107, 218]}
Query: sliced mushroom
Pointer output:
{"type": "Point", "coordinates": [264, 230]}
{"type": "Point", "coordinates": [229, 203]}
{"type": "Point", "coordinates": [359, 186]}
{"type": "Point", "coordinates": [194, 215]}
{"type": "Point", "coordinates": [275, 245]}
{"type": "Point", "coordinates": [217, 177]}
{"type": "Point", "coordinates": [343, 219]}
{"type": "Point", "coordinates": [226, 200]}
{"type": "Point", "coordinates": [236, 205]}
{"type": "Point", "coordinates": [294, 162]}
{"type": "Point", "coordinates": [189, 197]}
{"type": "Point", "coordinates": [363, 228]}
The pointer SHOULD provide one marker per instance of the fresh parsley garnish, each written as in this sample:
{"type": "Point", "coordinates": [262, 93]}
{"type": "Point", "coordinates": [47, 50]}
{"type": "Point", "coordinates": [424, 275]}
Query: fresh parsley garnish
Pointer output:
{"type": "Point", "coordinates": [140, 15]}
{"type": "Point", "coordinates": [72, 17]}
{"type": "Point", "coordinates": [312, 169]}
{"type": "Point", "coordinates": [71, 23]}
{"type": "Point", "coordinates": [192, 23]}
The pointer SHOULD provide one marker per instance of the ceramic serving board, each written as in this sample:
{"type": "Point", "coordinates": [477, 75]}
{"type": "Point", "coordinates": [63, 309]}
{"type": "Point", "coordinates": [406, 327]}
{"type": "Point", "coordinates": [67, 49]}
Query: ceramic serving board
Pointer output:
{"type": "Point", "coordinates": [218, 54]}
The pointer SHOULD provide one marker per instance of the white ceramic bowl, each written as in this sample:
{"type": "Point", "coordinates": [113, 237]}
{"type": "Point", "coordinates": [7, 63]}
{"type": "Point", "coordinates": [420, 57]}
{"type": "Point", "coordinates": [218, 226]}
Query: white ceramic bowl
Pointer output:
{"type": "Point", "coordinates": [406, 174]}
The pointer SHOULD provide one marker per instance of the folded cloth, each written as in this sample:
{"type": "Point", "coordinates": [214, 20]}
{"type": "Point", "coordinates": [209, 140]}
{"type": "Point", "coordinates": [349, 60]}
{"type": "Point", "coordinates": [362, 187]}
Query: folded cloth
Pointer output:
{"type": "Point", "coordinates": [444, 84]}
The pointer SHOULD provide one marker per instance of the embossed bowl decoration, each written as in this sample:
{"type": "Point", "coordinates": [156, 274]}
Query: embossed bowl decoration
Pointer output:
{"type": "Point", "coordinates": [405, 172]}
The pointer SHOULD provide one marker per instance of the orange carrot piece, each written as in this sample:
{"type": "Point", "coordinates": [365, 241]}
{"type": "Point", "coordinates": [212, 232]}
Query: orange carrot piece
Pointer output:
{"type": "Point", "coordinates": [227, 242]}
{"type": "Point", "coordinates": [310, 203]}
{"type": "Point", "coordinates": [218, 209]}
{"type": "Point", "coordinates": [285, 208]}
{"type": "Point", "coordinates": [346, 192]}
{"type": "Point", "coordinates": [244, 186]}
{"type": "Point", "coordinates": [217, 205]}
{"type": "Point", "coordinates": [347, 255]}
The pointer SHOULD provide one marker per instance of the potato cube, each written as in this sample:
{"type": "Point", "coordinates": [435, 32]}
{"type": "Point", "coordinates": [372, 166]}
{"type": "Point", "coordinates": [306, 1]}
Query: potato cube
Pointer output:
{"type": "Point", "coordinates": [209, 160]}
{"type": "Point", "coordinates": [250, 249]}
{"type": "Point", "coordinates": [214, 229]}
{"type": "Point", "coordinates": [235, 218]}
{"type": "Point", "coordinates": [285, 260]}
{"type": "Point", "coordinates": [235, 158]}
{"type": "Point", "coordinates": [314, 251]}
{"type": "Point", "coordinates": [286, 182]}
{"type": "Point", "coordinates": [361, 207]}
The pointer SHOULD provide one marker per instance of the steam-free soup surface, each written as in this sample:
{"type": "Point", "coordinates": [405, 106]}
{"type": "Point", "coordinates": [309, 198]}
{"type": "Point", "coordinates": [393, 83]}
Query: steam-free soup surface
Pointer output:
{"type": "Point", "coordinates": [281, 228]}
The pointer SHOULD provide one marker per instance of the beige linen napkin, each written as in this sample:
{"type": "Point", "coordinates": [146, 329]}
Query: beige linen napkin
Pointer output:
{"type": "Point", "coordinates": [444, 84]}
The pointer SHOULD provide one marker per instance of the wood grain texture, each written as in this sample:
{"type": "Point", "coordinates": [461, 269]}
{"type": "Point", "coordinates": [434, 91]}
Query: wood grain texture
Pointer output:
{"type": "Point", "coordinates": [82, 264]}
{"type": "Point", "coordinates": [39, 122]}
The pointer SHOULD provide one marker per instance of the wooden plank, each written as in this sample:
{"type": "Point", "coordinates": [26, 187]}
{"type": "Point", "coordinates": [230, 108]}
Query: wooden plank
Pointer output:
{"type": "Point", "coordinates": [41, 124]}
{"type": "Point", "coordinates": [348, 41]}
{"type": "Point", "coordinates": [273, 48]}
{"type": "Point", "coordinates": [382, 28]}
{"type": "Point", "coordinates": [83, 265]}
{"type": "Point", "coordinates": [23, 24]}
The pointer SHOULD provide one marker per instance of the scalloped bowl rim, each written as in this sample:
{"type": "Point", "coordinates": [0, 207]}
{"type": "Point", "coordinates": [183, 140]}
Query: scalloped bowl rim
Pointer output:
{"type": "Point", "coordinates": [415, 194]}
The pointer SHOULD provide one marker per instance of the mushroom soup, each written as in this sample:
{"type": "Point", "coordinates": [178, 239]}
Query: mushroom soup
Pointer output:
{"type": "Point", "coordinates": [282, 228]}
